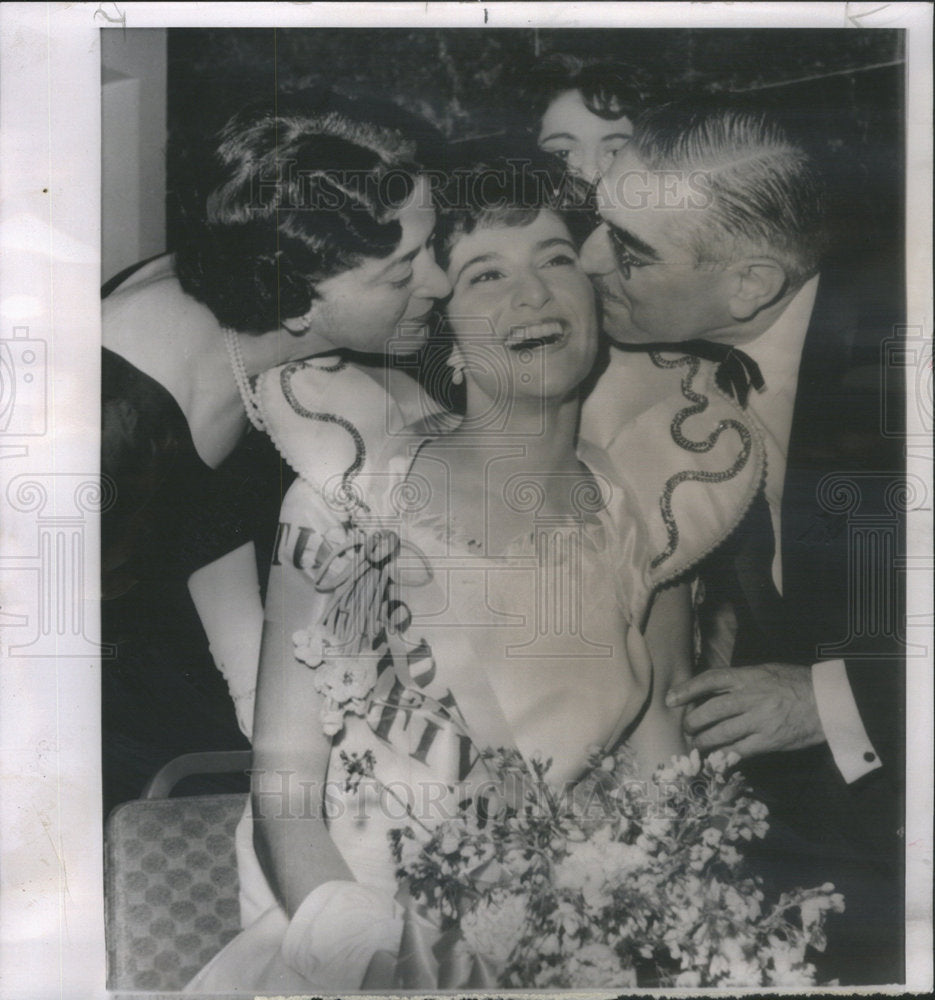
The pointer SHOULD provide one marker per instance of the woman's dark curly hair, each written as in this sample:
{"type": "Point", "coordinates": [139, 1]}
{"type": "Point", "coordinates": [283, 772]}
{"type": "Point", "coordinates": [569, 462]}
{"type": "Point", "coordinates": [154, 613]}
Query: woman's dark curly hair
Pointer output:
{"type": "Point", "coordinates": [502, 182]}
{"type": "Point", "coordinates": [608, 88]}
{"type": "Point", "coordinates": [295, 190]}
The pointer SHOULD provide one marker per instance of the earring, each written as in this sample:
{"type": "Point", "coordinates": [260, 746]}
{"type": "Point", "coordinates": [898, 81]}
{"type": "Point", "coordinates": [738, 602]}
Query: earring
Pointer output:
{"type": "Point", "coordinates": [298, 326]}
{"type": "Point", "coordinates": [456, 363]}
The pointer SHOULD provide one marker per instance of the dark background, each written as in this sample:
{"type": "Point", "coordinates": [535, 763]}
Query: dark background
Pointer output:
{"type": "Point", "coordinates": [840, 89]}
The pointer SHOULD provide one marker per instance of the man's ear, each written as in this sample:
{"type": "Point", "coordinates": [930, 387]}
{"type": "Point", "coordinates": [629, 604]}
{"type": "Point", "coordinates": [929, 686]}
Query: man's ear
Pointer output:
{"type": "Point", "coordinates": [756, 282]}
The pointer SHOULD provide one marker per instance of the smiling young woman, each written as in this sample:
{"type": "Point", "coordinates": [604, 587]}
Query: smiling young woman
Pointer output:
{"type": "Point", "coordinates": [467, 583]}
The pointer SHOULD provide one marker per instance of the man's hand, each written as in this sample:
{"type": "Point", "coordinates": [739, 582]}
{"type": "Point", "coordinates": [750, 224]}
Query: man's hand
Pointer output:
{"type": "Point", "coordinates": [750, 710]}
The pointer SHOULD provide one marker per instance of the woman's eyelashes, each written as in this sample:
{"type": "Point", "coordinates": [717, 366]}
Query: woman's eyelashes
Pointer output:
{"type": "Point", "coordinates": [563, 259]}
{"type": "Point", "coordinates": [482, 277]}
{"type": "Point", "coordinates": [427, 251]}
{"type": "Point", "coordinates": [402, 282]}
{"type": "Point", "coordinates": [574, 157]}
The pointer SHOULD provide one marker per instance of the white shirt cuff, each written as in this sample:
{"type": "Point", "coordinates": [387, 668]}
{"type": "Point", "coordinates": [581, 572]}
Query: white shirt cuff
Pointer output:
{"type": "Point", "coordinates": [847, 739]}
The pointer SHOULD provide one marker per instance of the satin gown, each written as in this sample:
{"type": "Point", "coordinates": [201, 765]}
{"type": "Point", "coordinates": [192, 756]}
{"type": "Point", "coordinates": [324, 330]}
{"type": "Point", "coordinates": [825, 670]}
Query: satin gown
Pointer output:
{"type": "Point", "coordinates": [537, 649]}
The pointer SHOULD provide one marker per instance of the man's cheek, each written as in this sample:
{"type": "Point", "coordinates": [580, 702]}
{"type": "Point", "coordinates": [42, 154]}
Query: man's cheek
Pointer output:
{"type": "Point", "coordinates": [622, 327]}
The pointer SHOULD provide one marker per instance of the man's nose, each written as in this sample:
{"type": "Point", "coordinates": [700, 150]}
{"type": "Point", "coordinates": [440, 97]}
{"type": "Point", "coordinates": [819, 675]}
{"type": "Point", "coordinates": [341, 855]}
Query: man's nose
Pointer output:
{"type": "Point", "coordinates": [531, 290]}
{"type": "Point", "coordinates": [432, 282]}
{"type": "Point", "coordinates": [597, 255]}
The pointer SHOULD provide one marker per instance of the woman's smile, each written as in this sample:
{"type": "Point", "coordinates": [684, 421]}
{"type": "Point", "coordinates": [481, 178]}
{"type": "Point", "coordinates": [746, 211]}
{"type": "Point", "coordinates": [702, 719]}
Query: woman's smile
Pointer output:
{"type": "Point", "coordinates": [545, 333]}
{"type": "Point", "coordinates": [520, 290]}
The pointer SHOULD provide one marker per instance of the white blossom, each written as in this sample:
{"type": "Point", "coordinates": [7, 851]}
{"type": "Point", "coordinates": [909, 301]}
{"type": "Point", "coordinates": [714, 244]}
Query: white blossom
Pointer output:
{"type": "Point", "coordinates": [332, 721]}
{"type": "Point", "coordinates": [310, 645]}
{"type": "Point", "coordinates": [346, 679]}
{"type": "Point", "coordinates": [494, 927]}
{"type": "Point", "coordinates": [593, 867]}
{"type": "Point", "coordinates": [689, 978]}
{"type": "Point", "coordinates": [597, 966]}
{"type": "Point", "coordinates": [789, 966]}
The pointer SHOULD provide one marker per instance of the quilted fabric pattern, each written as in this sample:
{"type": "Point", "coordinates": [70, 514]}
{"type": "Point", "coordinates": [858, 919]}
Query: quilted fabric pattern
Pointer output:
{"type": "Point", "coordinates": [171, 888]}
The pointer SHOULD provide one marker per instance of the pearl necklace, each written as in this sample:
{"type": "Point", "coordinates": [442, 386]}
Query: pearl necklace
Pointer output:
{"type": "Point", "coordinates": [251, 403]}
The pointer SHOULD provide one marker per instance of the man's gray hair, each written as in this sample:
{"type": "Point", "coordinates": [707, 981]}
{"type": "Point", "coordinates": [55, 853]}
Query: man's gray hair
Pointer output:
{"type": "Point", "coordinates": [763, 191]}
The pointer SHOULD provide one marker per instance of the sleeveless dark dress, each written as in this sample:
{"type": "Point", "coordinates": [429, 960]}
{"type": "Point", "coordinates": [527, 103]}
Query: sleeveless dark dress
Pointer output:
{"type": "Point", "coordinates": [161, 692]}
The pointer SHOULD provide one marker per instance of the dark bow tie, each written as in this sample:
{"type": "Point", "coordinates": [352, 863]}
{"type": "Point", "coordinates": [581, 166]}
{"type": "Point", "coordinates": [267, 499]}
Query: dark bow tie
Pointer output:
{"type": "Point", "coordinates": [736, 371]}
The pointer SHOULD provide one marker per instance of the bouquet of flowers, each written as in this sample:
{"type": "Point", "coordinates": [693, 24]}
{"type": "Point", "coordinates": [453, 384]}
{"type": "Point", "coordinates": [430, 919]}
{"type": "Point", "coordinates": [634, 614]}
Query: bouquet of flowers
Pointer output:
{"type": "Point", "coordinates": [612, 881]}
{"type": "Point", "coordinates": [616, 882]}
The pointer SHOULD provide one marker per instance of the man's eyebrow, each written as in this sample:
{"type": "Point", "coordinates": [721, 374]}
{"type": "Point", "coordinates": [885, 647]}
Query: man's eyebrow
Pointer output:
{"type": "Point", "coordinates": [559, 135]}
{"type": "Point", "coordinates": [630, 241]}
{"type": "Point", "coordinates": [616, 135]}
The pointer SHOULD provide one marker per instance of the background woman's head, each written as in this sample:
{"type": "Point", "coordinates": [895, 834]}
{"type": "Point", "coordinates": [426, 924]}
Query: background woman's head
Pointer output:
{"type": "Point", "coordinates": [521, 315]}
{"type": "Point", "coordinates": [584, 110]}
{"type": "Point", "coordinates": [311, 214]}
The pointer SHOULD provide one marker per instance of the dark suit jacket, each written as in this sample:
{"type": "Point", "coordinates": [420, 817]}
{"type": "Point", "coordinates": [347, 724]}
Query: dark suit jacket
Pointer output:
{"type": "Point", "coordinates": [842, 532]}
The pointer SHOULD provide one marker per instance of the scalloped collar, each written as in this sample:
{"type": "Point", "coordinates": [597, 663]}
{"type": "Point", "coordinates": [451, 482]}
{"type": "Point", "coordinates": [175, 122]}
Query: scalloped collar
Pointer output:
{"type": "Point", "coordinates": [693, 459]}
{"type": "Point", "coordinates": [339, 425]}
{"type": "Point", "coordinates": [688, 459]}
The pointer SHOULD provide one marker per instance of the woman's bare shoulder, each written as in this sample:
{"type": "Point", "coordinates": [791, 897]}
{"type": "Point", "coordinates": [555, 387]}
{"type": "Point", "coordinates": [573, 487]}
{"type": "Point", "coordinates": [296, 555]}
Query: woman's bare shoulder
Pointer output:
{"type": "Point", "coordinates": [151, 304]}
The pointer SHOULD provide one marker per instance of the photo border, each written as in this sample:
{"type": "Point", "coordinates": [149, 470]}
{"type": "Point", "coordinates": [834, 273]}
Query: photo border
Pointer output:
{"type": "Point", "coordinates": [51, 877]}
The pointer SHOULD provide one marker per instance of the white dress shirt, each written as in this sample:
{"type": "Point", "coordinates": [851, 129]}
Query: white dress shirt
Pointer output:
{"type": "Point", "coordinates": [778, 352]}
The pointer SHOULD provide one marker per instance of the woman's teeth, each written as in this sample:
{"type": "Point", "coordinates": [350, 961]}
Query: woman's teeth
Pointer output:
{"type": "Point", "coordinates": [525, 338]}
